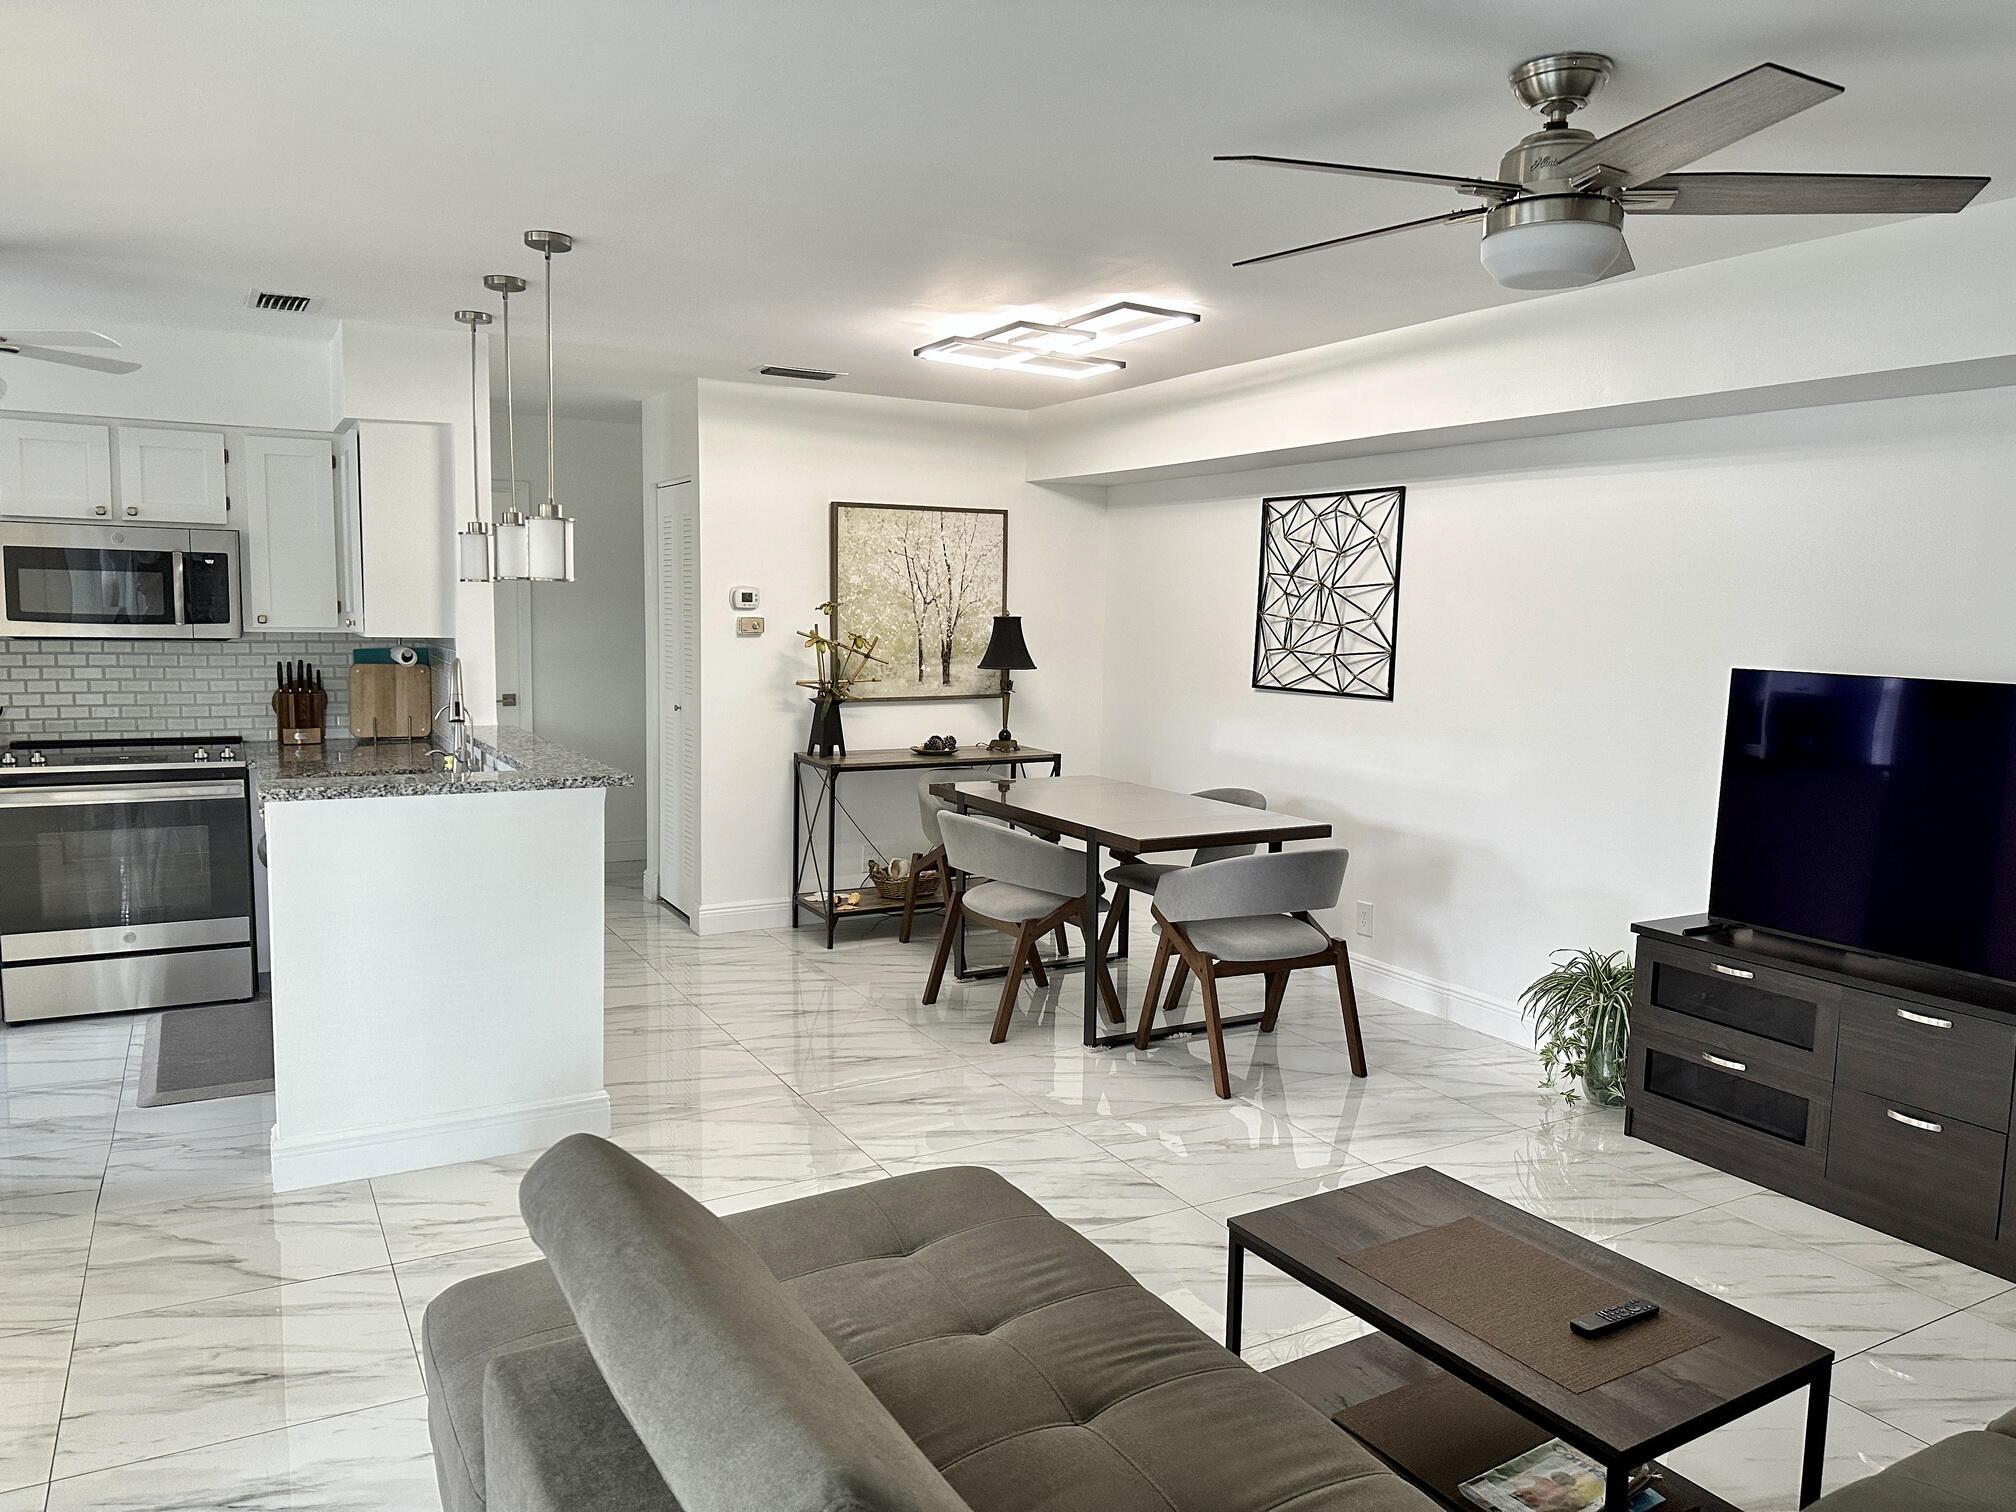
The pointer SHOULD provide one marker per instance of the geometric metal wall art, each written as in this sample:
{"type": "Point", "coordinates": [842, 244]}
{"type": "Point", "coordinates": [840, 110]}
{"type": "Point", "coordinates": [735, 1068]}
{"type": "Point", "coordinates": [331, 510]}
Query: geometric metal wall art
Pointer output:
{"type": "Point", "coordinates": [1329, 593]}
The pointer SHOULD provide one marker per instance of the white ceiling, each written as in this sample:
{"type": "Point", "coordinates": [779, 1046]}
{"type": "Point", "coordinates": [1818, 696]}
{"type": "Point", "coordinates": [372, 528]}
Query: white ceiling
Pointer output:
{"type": "Point", "coordinates": [830, 183]}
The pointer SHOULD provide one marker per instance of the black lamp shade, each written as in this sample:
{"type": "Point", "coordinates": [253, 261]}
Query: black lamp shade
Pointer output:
{"type": "Point", "coordinates": [1006, 650]}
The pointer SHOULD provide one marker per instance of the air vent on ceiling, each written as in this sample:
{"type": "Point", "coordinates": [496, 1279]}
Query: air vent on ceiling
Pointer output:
{"type": "Point", "coordinates": [810, 375]}
{"type": "Point", "coordinates": [286, 304]}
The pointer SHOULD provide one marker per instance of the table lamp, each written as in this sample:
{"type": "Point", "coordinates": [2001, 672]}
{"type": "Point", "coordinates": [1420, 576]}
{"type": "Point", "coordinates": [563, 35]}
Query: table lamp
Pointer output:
{"type": "Point", "coordinates": [1006, 652]}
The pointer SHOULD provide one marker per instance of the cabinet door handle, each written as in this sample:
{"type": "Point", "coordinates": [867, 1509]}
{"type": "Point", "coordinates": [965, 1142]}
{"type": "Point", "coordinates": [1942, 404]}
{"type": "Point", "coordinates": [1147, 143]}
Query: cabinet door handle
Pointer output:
{"type": "Point", "coordinates": [100, 510]}
{"type": "Point", "coordinates": [262, 619]}
{"type": "Point", "coordinates": [1917, 1123]}
{"type": "Point", "coordinates": [1734, 971]}
{"type": "Point", "coordinates": [132, 509]}
{"type": "Point", "coordinates": [1726, 1065]}
{"type": "Point", "coordinates": [1924, 1018]}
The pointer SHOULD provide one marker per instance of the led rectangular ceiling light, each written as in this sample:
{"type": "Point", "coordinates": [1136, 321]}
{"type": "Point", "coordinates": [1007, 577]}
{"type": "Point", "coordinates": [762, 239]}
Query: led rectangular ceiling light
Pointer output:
{"type": "Point", "coordinates": [1109, 325]}
{"type": "Point", "coordinates": [1066, 365]}
{"type": "Point", "coordinates": [971, 351]}
{"type": "Point", "coordinates": [1037, 336]}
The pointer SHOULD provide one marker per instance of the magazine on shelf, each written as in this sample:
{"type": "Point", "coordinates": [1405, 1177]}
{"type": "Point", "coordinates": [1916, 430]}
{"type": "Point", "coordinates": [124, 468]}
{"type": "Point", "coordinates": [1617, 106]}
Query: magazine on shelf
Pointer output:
{"type": "Point", "coordinates": [1552, 1478]}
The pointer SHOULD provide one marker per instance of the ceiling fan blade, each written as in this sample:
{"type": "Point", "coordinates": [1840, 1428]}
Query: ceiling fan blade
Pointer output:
{"type": "Point", "coordinates": [1700, 124]}
{"type": "Point", "coordinates": [1812, 193]}
{"type": "Point", "coordinates": [58, 338]}
{"type": "Point", "coordinates": [1467, 185]}
{"type": "Point", "coordinates": [78, 359]}
{"type": "Point", "coordinates": [1357, 236]}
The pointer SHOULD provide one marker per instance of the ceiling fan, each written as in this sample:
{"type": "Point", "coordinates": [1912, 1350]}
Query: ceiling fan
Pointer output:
{"type": "Point", "coordinates": [1554, 216]}
{"type": "Point", "coordinates": [45, 346]}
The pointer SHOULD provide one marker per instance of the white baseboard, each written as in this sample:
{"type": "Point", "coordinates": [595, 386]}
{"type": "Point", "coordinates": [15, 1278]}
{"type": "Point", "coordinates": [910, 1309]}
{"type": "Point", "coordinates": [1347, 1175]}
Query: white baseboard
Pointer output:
{"type": "Point", "coordinates": [391, 1148]}
{"type": "Point", "coordinates": [733, 918]}
{"type": "Point", "coordinates": [1426, 994]}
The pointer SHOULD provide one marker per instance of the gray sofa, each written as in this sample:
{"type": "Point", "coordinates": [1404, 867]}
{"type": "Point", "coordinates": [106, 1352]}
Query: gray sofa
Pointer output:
{"type": "Point", "coordinates": [926, 1343]}
{"type": "Point", "coordinates": [1969, 1472]}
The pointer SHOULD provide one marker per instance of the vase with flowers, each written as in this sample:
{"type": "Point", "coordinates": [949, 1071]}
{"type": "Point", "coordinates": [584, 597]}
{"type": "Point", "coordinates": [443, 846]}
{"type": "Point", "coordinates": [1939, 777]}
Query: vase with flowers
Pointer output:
{"type": "Point", "coordinates": [842, 663]}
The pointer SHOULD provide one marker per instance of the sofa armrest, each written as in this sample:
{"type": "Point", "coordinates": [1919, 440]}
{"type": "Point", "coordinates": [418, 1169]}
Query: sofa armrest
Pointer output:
{"type": "Point", "coordinates": [555, 1440]}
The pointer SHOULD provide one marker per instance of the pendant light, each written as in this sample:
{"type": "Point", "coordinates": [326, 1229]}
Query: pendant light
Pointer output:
{"type": "Point", "coordinates": [510, 555]}
{"type": "Point", "coordinates": [549, 535]}
{"type": "Point", "coordinates": [476, 542]}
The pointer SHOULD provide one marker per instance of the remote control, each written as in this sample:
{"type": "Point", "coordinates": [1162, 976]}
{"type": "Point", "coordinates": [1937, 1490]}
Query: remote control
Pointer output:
{"type": "Point", "coordinates": [1596, 1324]}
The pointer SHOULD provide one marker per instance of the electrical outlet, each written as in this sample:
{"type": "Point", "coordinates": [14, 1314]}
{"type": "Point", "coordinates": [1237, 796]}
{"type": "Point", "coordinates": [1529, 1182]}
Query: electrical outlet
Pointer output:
{"type": "Point", "coordinates": [1364, 917]}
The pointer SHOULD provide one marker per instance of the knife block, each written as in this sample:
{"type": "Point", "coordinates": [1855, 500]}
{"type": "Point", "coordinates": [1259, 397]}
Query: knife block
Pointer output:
{"type": "Point", "coordinates": [300, 717]}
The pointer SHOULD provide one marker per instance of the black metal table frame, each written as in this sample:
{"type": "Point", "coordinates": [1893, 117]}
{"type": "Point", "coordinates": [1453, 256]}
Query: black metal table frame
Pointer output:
{"type": "Point", "coordinates": [1816, 1380]}
{"type": "Point", "coordinates": [804, 839]}
{"type": "Point", "coordinates": [1095, 957]}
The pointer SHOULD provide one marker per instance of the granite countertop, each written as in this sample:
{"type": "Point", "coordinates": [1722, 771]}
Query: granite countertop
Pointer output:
{"type": "Point", "coordinates": [513, 761]}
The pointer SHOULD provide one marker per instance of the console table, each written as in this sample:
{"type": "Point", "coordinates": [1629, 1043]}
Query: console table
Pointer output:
{"type": "Point", "coordinates": [815, 805]}
{"type": "Point", "coordinates": [1877, 1089]}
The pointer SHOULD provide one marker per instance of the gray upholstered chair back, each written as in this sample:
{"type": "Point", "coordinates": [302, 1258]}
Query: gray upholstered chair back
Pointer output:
{"type": "Point", "coordinates": [1299, 881]}
{"type": "Point", "coordinates": [1006, 855]}
{"type": "Point", "coordinates": [929, 807]}
{"type": "Point", "coordinates": [1246, 798]}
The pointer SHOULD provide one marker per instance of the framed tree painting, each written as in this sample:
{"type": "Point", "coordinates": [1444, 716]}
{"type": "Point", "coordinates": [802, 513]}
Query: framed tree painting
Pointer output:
{"type": "Point", "coordinates": [925, 583]}
{"type": "Point", "coordinates": [1329, 613]}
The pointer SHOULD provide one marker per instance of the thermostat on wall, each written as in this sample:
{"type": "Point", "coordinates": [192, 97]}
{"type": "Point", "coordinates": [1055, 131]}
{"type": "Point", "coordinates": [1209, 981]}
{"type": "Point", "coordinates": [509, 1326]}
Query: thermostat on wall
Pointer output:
{"type": "Point", "coordinates": [742, 600]}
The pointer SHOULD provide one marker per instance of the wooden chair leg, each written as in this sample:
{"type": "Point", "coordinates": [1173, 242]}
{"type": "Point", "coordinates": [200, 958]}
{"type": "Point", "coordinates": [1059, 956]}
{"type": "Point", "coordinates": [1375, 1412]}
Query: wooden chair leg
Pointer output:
{"type": "Point", "coordinates": [910, 900]}
{"type": "Point", "coordinates": [1036, 971]}
{"type": "Point", "coordinates": [1207, 986]}
{"type": "Point", "coordinates": [954, 906]}
{"type": "Point", "coordinates": [1025, 943]}
{"type": "Point", "coordinates": [1277, 988]}
{"type": "Point", "coordinates": [1109, 997]}
{"type": "Point", "coordinates": [1063, 942]}
{"type": "Point", "coordinates": [1154, 991]}
{"type": "Point", "coordinates": [1178, 979]}
{"type": "Point", "coordinates": [1347, 998]}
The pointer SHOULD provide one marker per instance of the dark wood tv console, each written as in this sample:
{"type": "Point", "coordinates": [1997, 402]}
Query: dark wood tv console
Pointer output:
{"type": "Point", "coordinates": [1874, 1088]}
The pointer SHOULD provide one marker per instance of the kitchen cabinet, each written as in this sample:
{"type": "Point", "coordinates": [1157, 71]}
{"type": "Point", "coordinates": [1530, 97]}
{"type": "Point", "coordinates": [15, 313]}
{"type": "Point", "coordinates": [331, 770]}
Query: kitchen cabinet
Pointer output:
{"type": "Point", "coordinates": [398, 529]}
{"type": "Point", "coordinates": [56, 469]}
{"type": "Point", "coordinates": [171, 476]}
{"type": "Point", "coordinates": [287, 485]}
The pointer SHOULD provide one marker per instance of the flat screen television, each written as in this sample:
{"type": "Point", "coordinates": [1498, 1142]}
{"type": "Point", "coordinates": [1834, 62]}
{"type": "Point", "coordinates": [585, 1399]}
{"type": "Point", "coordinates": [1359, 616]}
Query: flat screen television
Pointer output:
{"type": "Point", "coordinates": [1873, 812]}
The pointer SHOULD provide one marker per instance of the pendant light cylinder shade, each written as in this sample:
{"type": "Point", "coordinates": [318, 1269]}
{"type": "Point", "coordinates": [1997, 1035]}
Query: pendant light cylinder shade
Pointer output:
{"type": "Point", "coordinates": [550, 548]}
{"type": "Point", "coordinates": [514, 552]}
{"type": "Point", "coordinates": [476, 552]}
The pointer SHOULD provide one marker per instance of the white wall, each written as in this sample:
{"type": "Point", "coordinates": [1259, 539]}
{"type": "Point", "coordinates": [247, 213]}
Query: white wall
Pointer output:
{"type": "Point", "coordinates": [1570, 610]}
{"type": "Point", "coordinates": [770, 462]}
{"type": "Point", "coordinates": [587, 642]}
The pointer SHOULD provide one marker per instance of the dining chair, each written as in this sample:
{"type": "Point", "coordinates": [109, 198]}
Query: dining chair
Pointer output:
{"type": "Point", "coordinates": [932, 860]}
{"type": "Point", "coordinates": [1133, 875]}
{"type": "Point", "coordinates": [1245, 916]}
{"type": "Point", "coordinates": [1033, 886]}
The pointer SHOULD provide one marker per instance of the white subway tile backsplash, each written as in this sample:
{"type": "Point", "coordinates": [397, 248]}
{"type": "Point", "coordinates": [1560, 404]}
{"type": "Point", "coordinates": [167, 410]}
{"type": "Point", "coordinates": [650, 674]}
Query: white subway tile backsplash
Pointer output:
{"type": "Point", "coordinates": [90, 687]}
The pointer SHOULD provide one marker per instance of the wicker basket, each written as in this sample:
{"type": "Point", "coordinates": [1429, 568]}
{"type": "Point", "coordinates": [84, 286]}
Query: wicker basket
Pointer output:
{"type": "Point", "coordinates": [893, 882]}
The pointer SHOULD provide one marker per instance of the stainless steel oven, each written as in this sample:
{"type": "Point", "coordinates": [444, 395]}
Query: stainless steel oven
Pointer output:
{"type": "Point", "coordinates": [138, 581]}
{"type": "Point", "coordinates": [124, 884]}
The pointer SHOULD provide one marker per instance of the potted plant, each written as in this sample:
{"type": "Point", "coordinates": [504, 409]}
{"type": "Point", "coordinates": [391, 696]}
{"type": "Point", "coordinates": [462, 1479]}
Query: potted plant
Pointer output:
{"type": "Point", "coordinates": [840, 665]}
{"type": "Point", "coordinates": [1581, 1011]}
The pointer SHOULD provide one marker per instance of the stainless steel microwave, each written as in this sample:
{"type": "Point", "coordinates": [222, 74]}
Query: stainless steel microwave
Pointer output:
{"type": "Point", "coordinates": [141, 582]}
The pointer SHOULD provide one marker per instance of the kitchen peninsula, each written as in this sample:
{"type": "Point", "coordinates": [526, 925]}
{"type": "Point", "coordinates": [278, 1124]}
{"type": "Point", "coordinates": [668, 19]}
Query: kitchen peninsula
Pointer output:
{"type": "Point", "coordinates": [436, 951]}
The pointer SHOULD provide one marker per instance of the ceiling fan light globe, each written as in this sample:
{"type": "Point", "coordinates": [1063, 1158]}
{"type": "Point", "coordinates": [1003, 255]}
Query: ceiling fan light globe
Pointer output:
{"type": "Point", "coordinates": [1562, 254]}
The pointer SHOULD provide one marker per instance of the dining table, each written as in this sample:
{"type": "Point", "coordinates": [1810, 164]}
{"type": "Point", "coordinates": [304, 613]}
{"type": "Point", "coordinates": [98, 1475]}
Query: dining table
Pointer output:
{"type": "Point", "coordinates": [1125, 819]}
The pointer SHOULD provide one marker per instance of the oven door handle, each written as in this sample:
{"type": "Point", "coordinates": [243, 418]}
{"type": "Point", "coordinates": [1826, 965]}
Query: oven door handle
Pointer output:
{"type": "Point", "coordinates": [106, 793]}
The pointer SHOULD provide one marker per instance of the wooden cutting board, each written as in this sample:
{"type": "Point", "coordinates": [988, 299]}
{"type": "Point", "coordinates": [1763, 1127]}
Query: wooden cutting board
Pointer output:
{"type": "Point", "coordinates": [389, 702]}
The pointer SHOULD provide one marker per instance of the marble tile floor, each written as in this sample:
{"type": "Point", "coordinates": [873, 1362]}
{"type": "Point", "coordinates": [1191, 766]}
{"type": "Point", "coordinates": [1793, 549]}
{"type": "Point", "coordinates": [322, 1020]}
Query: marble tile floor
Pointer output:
{"type": "Point", "coordinates": [173, 1335]}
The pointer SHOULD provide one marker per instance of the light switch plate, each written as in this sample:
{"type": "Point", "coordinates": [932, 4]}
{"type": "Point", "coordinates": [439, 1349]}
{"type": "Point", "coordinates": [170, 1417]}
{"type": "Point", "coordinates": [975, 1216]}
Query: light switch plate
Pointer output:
{"type": "Point", "coordinates": [749, 624]}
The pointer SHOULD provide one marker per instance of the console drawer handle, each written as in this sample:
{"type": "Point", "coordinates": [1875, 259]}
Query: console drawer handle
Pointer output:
{"type": "Point", "coordinates": [1917, 1123]}
{"type": "Point", "coordinates": [1924, 1018]}
{"type": "Point", "coordinates": [1726, 1065]}
{"type": "Point", "coordinates": [1734, 971]}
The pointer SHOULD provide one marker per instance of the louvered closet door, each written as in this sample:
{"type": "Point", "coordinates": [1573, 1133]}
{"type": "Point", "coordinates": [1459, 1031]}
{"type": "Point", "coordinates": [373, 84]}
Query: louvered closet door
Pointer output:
{"type": "Point", "coordinates": [679, 696]}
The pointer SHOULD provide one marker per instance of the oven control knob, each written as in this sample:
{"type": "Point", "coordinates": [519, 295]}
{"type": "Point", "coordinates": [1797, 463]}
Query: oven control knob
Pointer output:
{"type": "Point", "coordinates": [7, 759]}
{"type": "Point", "coordinates": [38, 759]}
{"type": "Point", "coordinates": [201, 753]}
{"type": "Point", "coordinates": [229, 753]}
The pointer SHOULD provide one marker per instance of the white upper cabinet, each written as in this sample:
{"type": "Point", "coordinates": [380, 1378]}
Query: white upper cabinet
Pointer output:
{"type": "Point", "coordinates": [287, 485]}
{"type": "Point", "coordinates": [403, 518]}
{"type": "Point", "coordinates": [57, 469]}
{"type": "Point", "coordinates": [171, 477]}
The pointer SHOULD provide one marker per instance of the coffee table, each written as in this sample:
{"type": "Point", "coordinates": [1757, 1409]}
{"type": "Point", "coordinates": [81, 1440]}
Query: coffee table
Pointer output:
{"type": "Point", "coordinates": [1492, 1403]}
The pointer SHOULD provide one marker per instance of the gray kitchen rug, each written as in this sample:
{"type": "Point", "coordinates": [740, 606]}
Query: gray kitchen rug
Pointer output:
{"type": "Point", "coordinates": [219, 1050]}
